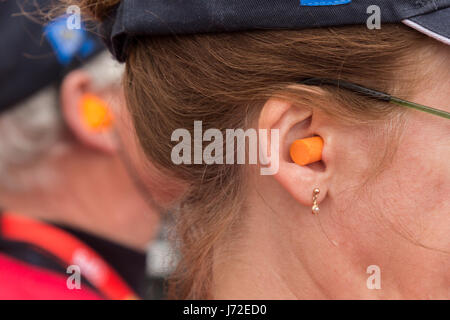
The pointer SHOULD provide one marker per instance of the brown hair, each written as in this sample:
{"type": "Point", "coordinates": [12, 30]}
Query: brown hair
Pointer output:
{"type": "Point", "coordinates": [224, 80]}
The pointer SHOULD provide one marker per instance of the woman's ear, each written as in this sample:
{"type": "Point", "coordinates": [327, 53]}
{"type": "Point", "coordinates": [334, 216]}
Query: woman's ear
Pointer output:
{"type": "Point", "coordinates": [294, 122]}
{"type": "Point", "coordinates": [86, 113]}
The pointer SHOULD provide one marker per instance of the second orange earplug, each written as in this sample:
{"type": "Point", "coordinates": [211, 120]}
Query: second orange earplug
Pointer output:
{"type": "Point", "coordinates": [306, 151]}
{"type": "Point", "coordinates": [95, 113]}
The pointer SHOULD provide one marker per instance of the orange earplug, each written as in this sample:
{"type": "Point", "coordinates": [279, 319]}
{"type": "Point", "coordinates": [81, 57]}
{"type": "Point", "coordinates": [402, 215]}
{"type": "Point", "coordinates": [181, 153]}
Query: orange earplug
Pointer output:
{"type": "Point", "coordinates": [306, 151]}
{"type": "Point", "coordinates": [95, 112]}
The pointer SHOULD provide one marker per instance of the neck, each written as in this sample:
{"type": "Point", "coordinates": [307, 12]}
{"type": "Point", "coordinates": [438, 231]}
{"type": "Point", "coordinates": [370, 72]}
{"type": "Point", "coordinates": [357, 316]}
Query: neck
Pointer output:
{"type": "Point", "coordinates": [91, 194]}
{"type": "Point", "coordinates": [291, 254]}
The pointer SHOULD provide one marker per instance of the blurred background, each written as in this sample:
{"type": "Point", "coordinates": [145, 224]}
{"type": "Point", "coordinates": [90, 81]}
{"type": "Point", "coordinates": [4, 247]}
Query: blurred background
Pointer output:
{"type": "Point", "coordinates": [68, 194]}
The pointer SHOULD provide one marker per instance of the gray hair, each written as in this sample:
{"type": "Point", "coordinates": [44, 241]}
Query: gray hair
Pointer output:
{"type": "Point", "coordinates": [34, 128]}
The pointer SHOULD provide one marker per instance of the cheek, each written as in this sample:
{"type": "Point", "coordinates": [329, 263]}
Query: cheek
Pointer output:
{"type": "Point", "coordinates": [422, 164]}
{"type": "Point", "coordinates": [410, 196]}
{"type": "Point", "coordinates": [415, 188]}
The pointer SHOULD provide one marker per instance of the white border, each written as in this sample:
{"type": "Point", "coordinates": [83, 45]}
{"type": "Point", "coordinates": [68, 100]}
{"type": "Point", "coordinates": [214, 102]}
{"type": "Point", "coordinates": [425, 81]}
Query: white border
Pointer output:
{"type": "Point", "coordinates": [429, 33]}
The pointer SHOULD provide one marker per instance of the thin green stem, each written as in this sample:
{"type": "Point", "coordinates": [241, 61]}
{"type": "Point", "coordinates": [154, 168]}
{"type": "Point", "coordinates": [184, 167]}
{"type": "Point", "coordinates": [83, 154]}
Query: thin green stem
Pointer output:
{"type": "Point", "coordinates": [440, 113]}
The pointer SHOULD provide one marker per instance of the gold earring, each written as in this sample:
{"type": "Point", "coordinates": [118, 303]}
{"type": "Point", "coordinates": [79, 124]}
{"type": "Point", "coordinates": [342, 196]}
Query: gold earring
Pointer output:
{"type": "Point", "coordinates": [315, 208]}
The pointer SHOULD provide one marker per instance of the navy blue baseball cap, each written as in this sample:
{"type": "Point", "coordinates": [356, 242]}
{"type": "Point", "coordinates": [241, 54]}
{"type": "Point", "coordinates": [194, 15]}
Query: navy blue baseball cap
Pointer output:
{"type": "Point", "coordinates": [134, 18]}
{"type": "Point", "coordinates": [35, 54]}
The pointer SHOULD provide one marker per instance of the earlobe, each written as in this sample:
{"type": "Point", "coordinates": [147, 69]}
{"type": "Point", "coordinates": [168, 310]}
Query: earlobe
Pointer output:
{"type": "Point", "coordinates": [86, 114]}
{"type": "Point", "coordinates": [300, 149]}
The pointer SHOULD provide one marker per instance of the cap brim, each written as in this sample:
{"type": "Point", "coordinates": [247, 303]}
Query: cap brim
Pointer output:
{"type": "Point", "coordinates": [435, 24]}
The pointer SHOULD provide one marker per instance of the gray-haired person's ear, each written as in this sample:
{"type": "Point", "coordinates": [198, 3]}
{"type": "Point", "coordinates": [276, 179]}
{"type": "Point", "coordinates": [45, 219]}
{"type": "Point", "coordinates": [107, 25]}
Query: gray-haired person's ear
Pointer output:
{"type": "Point", "coordinates": [86, 112]}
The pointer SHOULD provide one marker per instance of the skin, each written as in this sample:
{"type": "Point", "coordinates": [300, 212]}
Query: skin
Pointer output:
{"type": "Point", "coordinates": [395, 218]}
{"type": "Point", "coordinates": [91, 188]}
{"type": "Point", "coordinates": [398, 220]}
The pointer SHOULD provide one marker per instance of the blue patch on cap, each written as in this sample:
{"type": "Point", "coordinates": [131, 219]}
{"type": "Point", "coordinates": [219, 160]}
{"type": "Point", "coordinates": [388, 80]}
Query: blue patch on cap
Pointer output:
{"type": "Point", "coordinates": [68, 43]}
{"type": "Point", "coordinates": [314, 3]}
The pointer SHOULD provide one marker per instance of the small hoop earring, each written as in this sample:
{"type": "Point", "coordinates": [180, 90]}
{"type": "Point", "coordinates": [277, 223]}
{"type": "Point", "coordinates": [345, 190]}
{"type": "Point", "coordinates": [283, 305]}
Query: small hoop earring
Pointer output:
{"type": "Point", "coordinates": [315, 208]}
